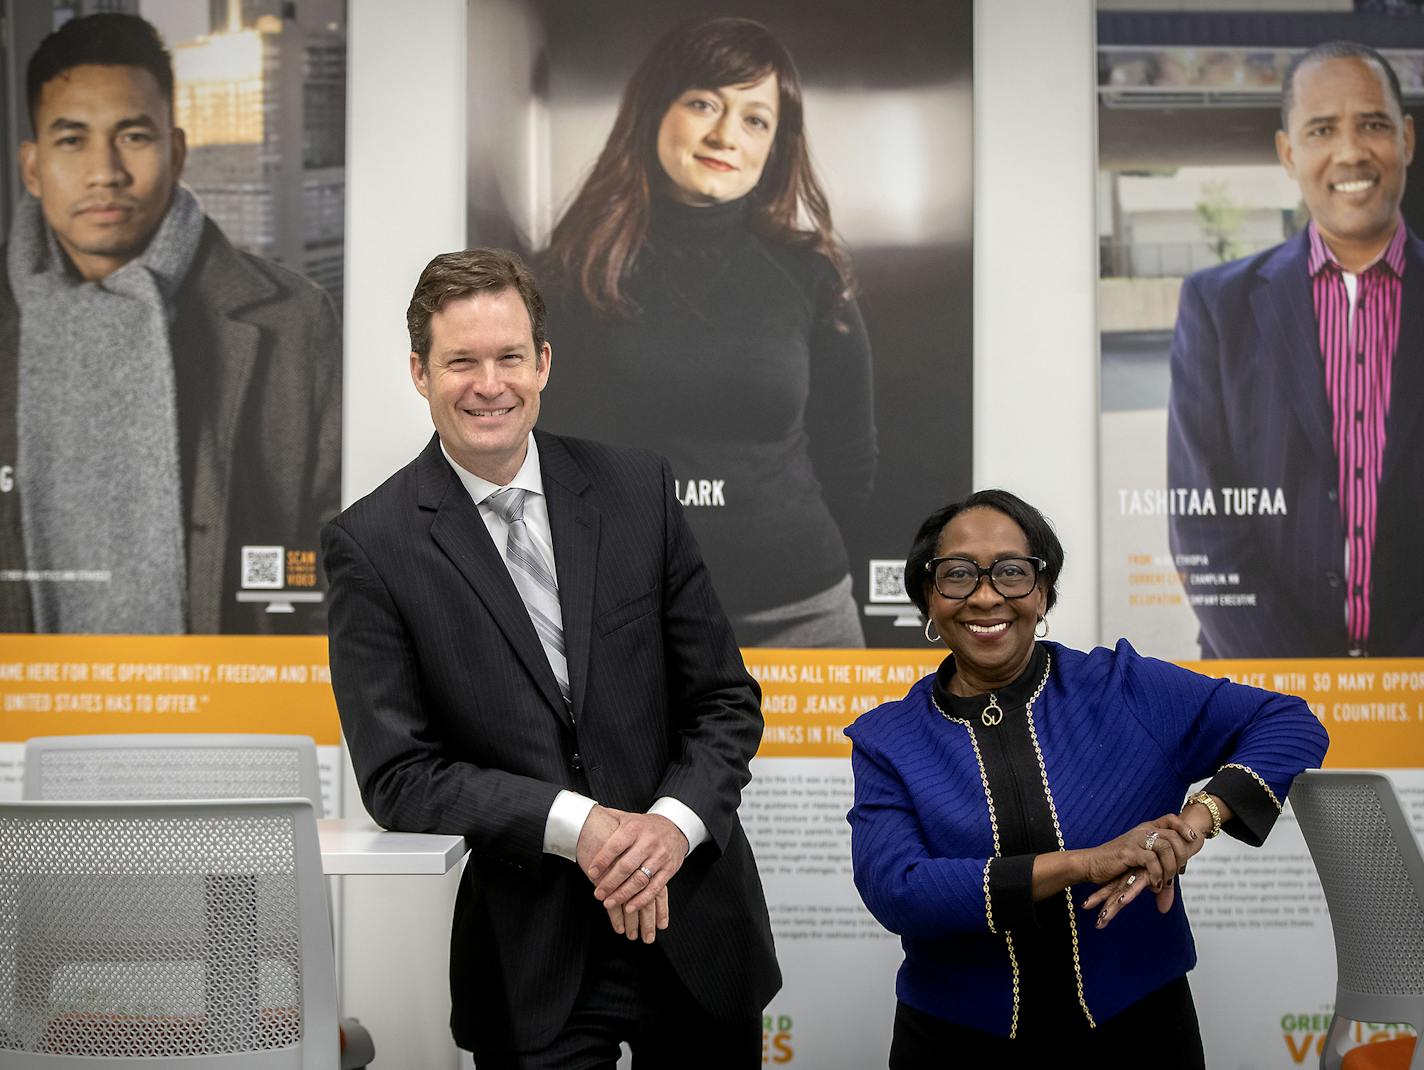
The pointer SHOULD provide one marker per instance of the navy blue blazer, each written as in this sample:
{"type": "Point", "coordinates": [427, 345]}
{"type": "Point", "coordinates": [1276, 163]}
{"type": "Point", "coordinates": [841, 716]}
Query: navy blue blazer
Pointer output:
{"type": "Point", "coordinates": [455, 724]}
{"type": "Point", "coordinates": [1248, 409]}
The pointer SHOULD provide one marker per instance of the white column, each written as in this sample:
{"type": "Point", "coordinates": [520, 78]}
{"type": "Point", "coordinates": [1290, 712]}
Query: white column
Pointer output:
{"type": "Point", "coordinates": [1035, 278]}
{"type": "Point", "coordinates": [405, 201]}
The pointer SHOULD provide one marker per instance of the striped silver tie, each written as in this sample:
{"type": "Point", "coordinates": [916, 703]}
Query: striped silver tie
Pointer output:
{"type": "Point", "coordinates": [535, 582]}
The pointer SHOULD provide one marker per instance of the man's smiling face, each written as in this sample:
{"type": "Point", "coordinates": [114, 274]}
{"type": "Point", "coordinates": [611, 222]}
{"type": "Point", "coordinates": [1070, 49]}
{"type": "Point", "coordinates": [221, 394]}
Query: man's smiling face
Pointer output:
{"type": "Point", "coordinates": [482, 380]}
{"type": "Point", "coordinates": [1347, 146]}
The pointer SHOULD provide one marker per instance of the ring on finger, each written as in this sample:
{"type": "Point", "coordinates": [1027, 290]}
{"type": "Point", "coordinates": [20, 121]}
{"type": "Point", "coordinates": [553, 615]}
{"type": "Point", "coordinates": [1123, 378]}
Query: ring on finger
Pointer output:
{"type": "Point", "coordinates": [1151, 840]}
{"type": "Point", "coordinates": [645, 871]}
{"type": "Point", "coordinates": [1131, 880]}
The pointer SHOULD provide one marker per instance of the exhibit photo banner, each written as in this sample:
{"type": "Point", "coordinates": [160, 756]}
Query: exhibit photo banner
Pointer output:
{"type": "Point", "coordinates": [1260, 454]}
{"type": "Point", "coordinates": [170, 371]}
{"type": "Point", "coordinates": [782, 316]}
{"type": "Point", "coordinates": [752, 226]}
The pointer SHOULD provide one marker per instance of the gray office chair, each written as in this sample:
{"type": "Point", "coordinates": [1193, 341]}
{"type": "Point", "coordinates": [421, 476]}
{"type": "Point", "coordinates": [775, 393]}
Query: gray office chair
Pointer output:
{"type": "Point", "coordinates": [163, 934]}
{"type": "Point", "coordinates": [1373, 875]}
{"type": "Point", "coordinates": [152, 766]}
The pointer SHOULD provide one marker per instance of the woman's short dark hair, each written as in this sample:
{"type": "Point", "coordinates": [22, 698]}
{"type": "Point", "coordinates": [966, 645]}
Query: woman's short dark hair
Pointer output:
{"type": "Point", "coordinates": [450, 276]}
{"type": "Point", "coordinates": [595, 244]}
{"type": "Point", "coordinates": [108, 39]}
{"type": "Point", "coordinates": [1042, 542]}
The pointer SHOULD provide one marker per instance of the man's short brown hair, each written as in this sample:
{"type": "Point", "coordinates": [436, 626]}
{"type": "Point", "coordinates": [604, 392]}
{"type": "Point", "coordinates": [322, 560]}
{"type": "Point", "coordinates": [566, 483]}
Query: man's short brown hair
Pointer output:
{"type": "Point", "coordinates": [467, 271]}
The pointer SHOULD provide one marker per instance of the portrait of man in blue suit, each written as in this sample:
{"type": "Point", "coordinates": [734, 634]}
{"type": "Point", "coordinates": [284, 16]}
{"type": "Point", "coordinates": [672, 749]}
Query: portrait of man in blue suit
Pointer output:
{"type": "Point", "coordinates": [1297, 382]}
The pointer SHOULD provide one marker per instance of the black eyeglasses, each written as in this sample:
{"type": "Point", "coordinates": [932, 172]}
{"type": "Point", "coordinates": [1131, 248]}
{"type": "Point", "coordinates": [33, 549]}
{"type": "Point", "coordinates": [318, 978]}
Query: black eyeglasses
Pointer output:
{"type": "Point", "coordinates": [958, 577]}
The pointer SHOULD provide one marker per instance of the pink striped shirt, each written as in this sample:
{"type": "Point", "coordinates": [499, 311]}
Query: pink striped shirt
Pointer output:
{"type": "Point", "coordinates": [1359, 357]}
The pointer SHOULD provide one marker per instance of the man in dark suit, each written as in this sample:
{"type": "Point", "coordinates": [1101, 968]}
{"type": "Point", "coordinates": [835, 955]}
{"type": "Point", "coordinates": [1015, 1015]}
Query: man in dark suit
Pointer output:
{"type": "Point", "coordinates": [1298, 395]}
{"type": "Point", "coordinates": [170, 407]}
{"type": "Point", "coordinates": [526, 650]}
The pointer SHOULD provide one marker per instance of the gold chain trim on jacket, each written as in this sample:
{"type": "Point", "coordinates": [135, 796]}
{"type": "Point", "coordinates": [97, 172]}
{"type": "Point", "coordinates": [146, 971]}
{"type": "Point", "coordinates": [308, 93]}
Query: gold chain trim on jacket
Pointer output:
{"type": "Point", "coordinates": [1058, 835]}
{"type": "Point", "coordinates": [994, 831]}
{"type": "Point", "coordinates": [1013, 965]}
{"type": "Point", "coordinates": [988, 900]}
{"type": "Point", "coordinates": [1257, 777]}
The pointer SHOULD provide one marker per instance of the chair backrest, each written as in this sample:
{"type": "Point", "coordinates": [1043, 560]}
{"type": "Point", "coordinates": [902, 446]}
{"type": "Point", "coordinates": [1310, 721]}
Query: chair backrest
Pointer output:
{"type": "Point", "coordinates": [190, 766]}
{"type": "Point", "coordinates": [1372, 872]}
{"type": "Point", "coordinates": [149, 932]}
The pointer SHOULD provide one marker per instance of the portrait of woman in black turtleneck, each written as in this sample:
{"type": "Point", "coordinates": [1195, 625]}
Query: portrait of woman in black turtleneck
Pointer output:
{"type": "Point", "coordinates": [701, 306]}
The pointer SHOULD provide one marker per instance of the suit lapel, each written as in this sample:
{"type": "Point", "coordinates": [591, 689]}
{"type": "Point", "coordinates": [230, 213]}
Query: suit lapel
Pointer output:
{"type": "Point", "coordinates": [1285, 318]}
{"type": "Point", "coordinates": [574, 525]}
{"type": "Point", "coordinates": [460, 532]}
{"type": "Point", "coordinates": [219, 289]}
{"type": "Point", "coordinates": [1407, 378]}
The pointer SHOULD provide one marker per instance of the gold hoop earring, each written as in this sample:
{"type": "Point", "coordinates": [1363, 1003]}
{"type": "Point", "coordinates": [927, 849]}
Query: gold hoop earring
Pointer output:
{"type": "Point", "coordinates": [928, 637]}
{"type": "Point", "coordinates": [1041, 634]}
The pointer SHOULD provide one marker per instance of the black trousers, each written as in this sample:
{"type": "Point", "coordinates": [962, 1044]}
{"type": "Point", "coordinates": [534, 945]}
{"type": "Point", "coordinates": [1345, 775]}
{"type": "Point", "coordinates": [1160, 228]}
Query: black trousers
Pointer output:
{"type": "Point", "coordinates": [630, 993]}
{"type": "Point", "coordinates": [1160, 1029]}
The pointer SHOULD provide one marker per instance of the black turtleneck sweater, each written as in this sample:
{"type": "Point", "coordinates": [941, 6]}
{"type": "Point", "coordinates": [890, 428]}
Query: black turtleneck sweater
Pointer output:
{"type": "Point", "coordinates": [1043, 943]}
{"type": "Point", "coordinates": [744, 371]}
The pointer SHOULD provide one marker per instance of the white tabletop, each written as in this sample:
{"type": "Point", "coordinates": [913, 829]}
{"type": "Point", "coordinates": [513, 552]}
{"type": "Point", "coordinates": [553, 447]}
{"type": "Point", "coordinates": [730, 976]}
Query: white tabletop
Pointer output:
{"type": "Point", "coordinates": [356, 845]}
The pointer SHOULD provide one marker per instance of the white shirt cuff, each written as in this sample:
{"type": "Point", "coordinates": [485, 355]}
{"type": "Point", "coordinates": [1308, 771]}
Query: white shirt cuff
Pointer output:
{"type": "Point", "coordinates": [566, 817]}
{"type": "Point", "coordinates": [683, 817]}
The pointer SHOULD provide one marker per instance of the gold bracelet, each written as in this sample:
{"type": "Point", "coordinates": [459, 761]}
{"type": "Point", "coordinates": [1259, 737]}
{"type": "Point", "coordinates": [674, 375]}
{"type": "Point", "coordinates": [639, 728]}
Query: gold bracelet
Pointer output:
{"type": "Point", "coordinates": [1211, 808]}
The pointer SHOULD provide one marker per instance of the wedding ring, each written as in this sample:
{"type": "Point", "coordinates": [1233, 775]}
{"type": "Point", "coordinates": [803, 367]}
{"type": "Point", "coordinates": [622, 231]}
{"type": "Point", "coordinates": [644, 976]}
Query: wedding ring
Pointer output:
{"type": "Point", "coordinates": [646, 872]}
{"type": "Point", "coordinates": [1151, 840]}
{"type": "Point", "coordinates": [1131, 880]}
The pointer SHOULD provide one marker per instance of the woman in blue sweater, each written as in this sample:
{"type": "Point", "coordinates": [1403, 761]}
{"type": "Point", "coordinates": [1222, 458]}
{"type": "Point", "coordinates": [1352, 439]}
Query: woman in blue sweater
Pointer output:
{"type": "Point", "coordinates": [1013, 806]}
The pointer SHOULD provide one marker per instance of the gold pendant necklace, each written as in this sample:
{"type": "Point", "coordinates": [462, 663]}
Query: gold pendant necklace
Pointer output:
{"type": "Point", "coordinates": [993, 713]}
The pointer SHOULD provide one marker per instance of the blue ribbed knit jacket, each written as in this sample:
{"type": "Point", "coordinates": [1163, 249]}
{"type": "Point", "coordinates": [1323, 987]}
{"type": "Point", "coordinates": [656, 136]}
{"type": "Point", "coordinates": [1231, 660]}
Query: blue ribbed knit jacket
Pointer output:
{"type": "Point", "coordinates": [1122, 738]}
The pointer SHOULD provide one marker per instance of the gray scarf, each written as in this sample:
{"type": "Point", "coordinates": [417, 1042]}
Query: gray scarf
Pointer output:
{"type": "Point", "coordinates": [97, 424]}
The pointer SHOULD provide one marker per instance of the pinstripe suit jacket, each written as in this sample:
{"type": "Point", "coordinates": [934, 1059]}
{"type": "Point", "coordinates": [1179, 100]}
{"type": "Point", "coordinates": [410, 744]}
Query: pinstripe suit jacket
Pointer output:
{"type": "Point", "coordinates": [1248, 409]}
{"type": "Point", "coordinates": [455, 723]}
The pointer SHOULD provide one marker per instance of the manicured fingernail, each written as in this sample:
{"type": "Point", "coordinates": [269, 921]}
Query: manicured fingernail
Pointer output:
{"type": "Point", "coordinates": [1102, 917]}
{"type": "Point", "coordinates": [1122, 897]}
{"type": "Point", "coordinates": [1191, 833]}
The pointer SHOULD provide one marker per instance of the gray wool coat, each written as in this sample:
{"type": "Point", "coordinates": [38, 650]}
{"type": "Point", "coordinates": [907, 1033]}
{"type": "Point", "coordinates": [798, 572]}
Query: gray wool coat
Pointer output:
{"type": "Point", "coordinates": [257, 352]}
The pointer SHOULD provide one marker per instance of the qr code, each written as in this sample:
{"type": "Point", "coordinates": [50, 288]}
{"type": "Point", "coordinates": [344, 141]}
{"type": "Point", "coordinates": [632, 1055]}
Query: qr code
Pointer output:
{"type": "Point", "coordinates": [262, 567]}
{"type": "Point", "coordinates": [887, 581]}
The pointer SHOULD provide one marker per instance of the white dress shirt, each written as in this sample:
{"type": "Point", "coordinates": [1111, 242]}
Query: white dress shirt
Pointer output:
{"type": "Point", "coordinates": [570, 808]}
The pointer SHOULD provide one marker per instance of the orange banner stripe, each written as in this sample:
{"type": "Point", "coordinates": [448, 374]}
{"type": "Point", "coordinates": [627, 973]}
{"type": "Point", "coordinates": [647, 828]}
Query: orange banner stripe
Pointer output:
{"type": "Point", "coordinates": [53, 685]}
{"type": "Point", "coordinates": [75, 684]}
{"type": "Point", "coordinates": [1373, 708]}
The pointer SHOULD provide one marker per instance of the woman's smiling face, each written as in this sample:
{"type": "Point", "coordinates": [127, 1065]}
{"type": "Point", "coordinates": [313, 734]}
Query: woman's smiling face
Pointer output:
{"type": "Point", "coordinates": [991, 636]}
{"type": "Point", "coordinates": [714, 143]}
